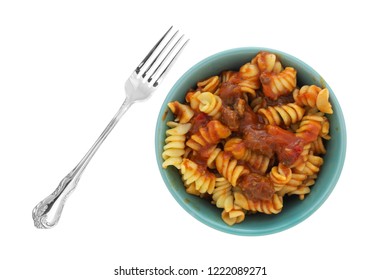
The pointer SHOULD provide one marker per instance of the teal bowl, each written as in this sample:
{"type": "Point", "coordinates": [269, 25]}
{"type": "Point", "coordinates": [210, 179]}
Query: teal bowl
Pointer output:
{"type": "Point", "coordinates": [294, 210]}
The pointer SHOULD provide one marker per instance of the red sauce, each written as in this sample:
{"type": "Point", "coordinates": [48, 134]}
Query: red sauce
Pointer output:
{"type": "Point", "coordinates": [198, 121]}
{"type": "Point", "coordinates": [280, 145]}
{"type": "Point", "coordinates": [269, 140]}
{"type": "Point", "coordinates": [230, 93]}
{"type": "Point", "coordinates": [286, 144]}
{"type": "Point", "coordinates": [266, 139]}
{"type": "Point", "coordinates": [283, 99]}
{"type": "Point", "coordinates": [312, 132]}
{"type": "Point", "coordinates": [256, 187]}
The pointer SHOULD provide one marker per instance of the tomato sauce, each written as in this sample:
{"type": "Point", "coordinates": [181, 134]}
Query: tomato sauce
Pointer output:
{"type": "Point", "coordinates": [270, 140]}
{"type": "Point", "coordinates": [280, 145]}
{"type": "Point", "coordinates": [266, 139]}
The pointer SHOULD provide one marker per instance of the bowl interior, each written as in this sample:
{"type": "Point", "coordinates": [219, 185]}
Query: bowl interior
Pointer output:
{"type": "Point", "coordinates": [294, 210]}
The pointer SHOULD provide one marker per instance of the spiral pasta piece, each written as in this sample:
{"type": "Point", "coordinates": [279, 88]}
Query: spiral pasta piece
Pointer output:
{"type": "Point", "coordinates": [323, 103]}
{"type": "Point", "coordinates": [306, 95]}
{"type": "Point", "coordinates": [229, 168]}
{"type": "Point", "coordinates": [303, 189]}
{"type": "Point", "coordinates": [212, 157]}
{"type": "Point", "coordinates": [267, 62]}
{"type": "Point", "coordinates": [225, 76]}
{"type": "Point", "coordinates": [276, 84]}
{"type": "Point", "coordinates": [323, 121]}
{"type": "Point", "coordinates": [250, 72]}
{"type": "Point", "coordinates": [296, 180]}
{"type": "Point", "coordinates": [209, 85]}
{"type": "Point", "coordinates": [234, 216]}
{"type": "Point", "coordinates": [312, 165]}
{"type": "Point", "coordinates": [175, 144]}
{"type": "Point", "coordinates": [182, 112]}
{"type": "Point", "coordinates": [273, 206]}
{"type": "Point", "coordinates": [301, 161]}
{"type": "Point", "coordinates": [280, 175]}
{"type": "Point", "coordinates": [208, 136]}
{"type": "Point", "coordinates": [223, 198]}
{"type": "Point", "coordinates": [239, 151]}
{"type": "Point", "coordinates": [210, 104]}
{"type": "Point", "coordinates": [257, 103]}
{"type": "Point", "coordinates": [258, 162]}
{"type": "Point", "coordinates": [285, 114]}
{"type": "Point", "coordinates": [193, 173]}
{"type": "Point", "coordinates": [236, 147]}
{"type": "Point", "coordinates": [318, 147]}
{"type": "Point", "coordinates": [192, 99]}
{"type": "Point", "coordinates": [190, 189]}
{"type": "Point", "coordinates": [222, 194]}
{"type": "Point", "coordinates": [314, 97]}
{"type": "Point", "coordinates": [250, 78]}
{"type": "Point", "coordinates": [308, 130]}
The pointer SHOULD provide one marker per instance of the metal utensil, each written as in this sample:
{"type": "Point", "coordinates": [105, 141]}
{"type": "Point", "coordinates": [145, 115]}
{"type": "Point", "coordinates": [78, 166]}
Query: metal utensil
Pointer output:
{"type": "Point", "coordinates": [139, 86]}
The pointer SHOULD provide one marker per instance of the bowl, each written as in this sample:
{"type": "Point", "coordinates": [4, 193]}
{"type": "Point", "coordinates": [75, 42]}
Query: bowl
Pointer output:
{"type": "Point", "coordinates": [295, 210]}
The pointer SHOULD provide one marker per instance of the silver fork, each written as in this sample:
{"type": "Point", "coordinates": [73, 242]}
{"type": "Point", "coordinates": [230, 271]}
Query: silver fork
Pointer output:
{"type": "Point", "coordinates": [143, 81]}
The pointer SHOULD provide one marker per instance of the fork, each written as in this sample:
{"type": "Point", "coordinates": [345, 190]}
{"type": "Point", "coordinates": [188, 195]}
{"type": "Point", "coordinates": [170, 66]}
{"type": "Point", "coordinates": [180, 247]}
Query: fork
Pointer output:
{"type": "Point", "coordinates": [147, 76]}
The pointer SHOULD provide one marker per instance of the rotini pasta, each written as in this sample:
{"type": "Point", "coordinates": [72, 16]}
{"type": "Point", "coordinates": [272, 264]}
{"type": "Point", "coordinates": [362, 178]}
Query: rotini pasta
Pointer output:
{"type": "Point", "coordinates": [183, 112]}
{"type": "Point", "coordinates": [222, 194]}
{"type": "Point", "coordinates": [193, 173]}
{"type": "Point", "coordinates": [209, 85]}
{"type": "Point", "coordinates": [235, 216]}
{"type": "Point", "coordinates": [192, 99]}
{"type": "Point", "coordinates": [267, 62]}
{"type": "Point", "coordinates": [272, 206]}
{"type": "Point", "coordinates": [278, 84]}
{"type": "Point", "coordinates": [312, 165]}
{"type": "Point", "coordinates": [223, 197]}
{"type": "Point", "coordinates": [206, 138]}
{"type": "Point", "coordinates": [250, 78]}
{"type": "Point", "coordinates": [225, 76]}
{"type": "Point", "coordinates": [210, 104]}
{"type": "Point", "coordinates": [318, 147]}
{"type": "Point", "coordinates": [308, 130]}
{"type": "Point", "coordinates": [295, 182]}
{"type": "Point", "coordinates": [175, 144]}
{"type": "Point", "coordinates": [229, 167]}
{"type": "Point", "coordinates": [284, 114]}
{"type": "Point", "coordinates": [313, 96]}
{"type": "Point", "coordinates": [248, 139]}
{"type": "Point", "coordinates": [323, 103]}
{"type": "Point", "coordinates": [322, 120]}
{"type": "Point", "coordinates": [280, 175]}
{"type": "Point", "coordinates": [239, 151]}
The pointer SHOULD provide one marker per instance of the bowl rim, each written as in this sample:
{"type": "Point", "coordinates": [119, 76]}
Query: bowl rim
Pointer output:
{"type": "Point", "coordinates": [340, 158]}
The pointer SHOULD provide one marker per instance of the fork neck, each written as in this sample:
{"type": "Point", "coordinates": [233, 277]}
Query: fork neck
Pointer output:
{"type": "Point", "coordinates": [78, 170]}
{"type": "Point", "coordinates": [47, 213]}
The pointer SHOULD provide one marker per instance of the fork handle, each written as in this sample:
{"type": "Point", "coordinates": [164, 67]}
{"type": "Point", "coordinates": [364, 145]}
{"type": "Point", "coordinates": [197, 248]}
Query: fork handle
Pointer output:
{"type": "Point", "coordinates": [47, 213]}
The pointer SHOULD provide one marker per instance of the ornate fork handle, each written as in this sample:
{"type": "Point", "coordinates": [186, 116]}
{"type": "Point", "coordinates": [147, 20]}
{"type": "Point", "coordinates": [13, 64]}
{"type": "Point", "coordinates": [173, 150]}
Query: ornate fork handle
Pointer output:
{"type": "Point", "coordinates": [46, 214]}
{"type": "Point", "coordinates": [138, 87]}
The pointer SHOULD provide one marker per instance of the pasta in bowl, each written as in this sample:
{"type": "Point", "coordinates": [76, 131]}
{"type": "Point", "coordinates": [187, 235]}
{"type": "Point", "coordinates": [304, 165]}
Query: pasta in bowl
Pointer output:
{"type": "Point", "coordinates": [250, 141]}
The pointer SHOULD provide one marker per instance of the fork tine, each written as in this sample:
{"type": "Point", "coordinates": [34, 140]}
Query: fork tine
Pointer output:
{"type": "Point", "coordinates": [159, 55]}
{"type": "Point", "coordinates": [142, 63]}
{"type": "Point", "coordinates": [170, 64]}
{"type": "Point", "coordinates": [166, 56]}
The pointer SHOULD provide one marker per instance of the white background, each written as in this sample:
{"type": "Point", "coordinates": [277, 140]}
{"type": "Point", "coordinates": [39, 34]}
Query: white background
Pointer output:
{"type": "Point", "coordinates": [62, 69]}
